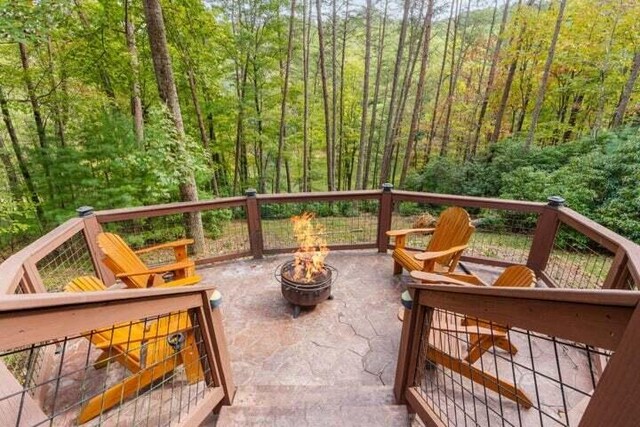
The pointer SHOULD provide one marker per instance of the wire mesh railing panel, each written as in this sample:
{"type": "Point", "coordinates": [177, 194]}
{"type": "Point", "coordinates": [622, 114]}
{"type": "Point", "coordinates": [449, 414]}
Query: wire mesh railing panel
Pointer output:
{"type": "Point", "coordinates": [68, 261]}
{"type": "Point", "coordinates": [473, 372]}
{"type": "Point", "coordinates": [145, 372]}
{"type": "Point", "coordinates": [344, 222]}
{"type": "Point", "coordinates": [500, 234]}
{"type": "Point", "coordinates": [629, 283]}
{"type": "Point", "coordinates": [577, 261]}
{"type": "Point", "coordinates": [225, 233]}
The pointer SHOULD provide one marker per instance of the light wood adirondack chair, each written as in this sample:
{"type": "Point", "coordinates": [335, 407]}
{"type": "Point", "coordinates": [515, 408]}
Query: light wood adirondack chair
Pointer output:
{"type": "Point", "coordinates": [445, 349]}
{"type": "Point", "coordinates": [128, 267]}
{"type": "Point", "coordinates": [484, 335]}
{"type": "Point", "coordinates": [143, 348]}
{"type": "Point", "coordinates": [450, 237]}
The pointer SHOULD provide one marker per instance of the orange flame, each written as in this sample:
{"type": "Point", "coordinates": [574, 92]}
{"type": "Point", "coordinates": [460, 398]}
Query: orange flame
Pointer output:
{"type": "Point", "coordinates": [312, 248]}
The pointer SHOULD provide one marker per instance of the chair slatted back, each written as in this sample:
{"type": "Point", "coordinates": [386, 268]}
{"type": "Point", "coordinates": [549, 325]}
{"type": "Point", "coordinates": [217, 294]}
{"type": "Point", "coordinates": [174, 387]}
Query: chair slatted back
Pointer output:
{"type": "Point", "coordinates": [516, 276]}
{"type": "Point", "coordinates": [453, 228]}
{"type": "Point", "coordinates": [119, 258]}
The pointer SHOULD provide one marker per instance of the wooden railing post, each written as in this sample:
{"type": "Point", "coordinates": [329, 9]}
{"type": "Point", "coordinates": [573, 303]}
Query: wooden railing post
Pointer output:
{"type": "Point", "coordinates": [545, 235]}
{"type": "Point", "coordinates": [218, 341]}
{"type": "Point", "coordinates": [408, 353]}
{"type": "Point", "coordinates": [254, 223]}
{"type": "Point", "coordinates": [91, 230]}
{"type": "Point", "coordinates": [384, 217]}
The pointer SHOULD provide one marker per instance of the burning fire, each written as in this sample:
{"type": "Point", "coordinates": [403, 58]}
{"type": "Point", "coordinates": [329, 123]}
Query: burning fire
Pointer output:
{"type": "Point", "coordinates": [312, 248]}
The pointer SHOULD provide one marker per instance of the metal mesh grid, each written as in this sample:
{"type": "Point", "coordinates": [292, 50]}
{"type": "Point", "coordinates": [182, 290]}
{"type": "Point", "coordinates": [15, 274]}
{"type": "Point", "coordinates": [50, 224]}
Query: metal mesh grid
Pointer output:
{"type": "Point", "coordinates": [69, 260]}
{"type": "Point", "coordinates": [226, 232]}
{"type": "Point", "coordinates": [629, 283]}
{"type": "Point", "coordinates": [556, 376]}
{"type": "Point", "coordinates": [160, 360]}
{"type": "Point", "coordinates": [345, 223]}
{"type": "Point", "coordinates": [500, 234]}
{"type": "Point", "coordinates": [578, 262]}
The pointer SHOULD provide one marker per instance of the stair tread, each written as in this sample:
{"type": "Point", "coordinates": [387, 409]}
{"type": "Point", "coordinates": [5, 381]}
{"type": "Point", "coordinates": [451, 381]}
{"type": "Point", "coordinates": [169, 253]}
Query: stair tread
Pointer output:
{"type": "Point", "coordinates": [282, 395]}
{"type": "Point", "coordinates": [313, 415]}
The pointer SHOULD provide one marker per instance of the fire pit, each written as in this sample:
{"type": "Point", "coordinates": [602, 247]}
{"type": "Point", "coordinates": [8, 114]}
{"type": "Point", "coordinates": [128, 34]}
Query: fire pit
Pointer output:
{"type": "Point", "coordinates": [306, 279]}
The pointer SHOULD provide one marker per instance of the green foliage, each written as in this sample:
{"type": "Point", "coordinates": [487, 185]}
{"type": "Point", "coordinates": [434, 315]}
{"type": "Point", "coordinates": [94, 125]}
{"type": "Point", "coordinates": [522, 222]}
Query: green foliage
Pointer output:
{"type": "Point", "coordinates": [597, 177]}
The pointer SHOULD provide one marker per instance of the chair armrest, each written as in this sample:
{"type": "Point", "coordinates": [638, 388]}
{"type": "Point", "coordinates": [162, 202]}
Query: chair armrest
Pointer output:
{"type": "Point", "coordinates": [182, 242]}
{"type": "Point", "coordinates": [158, 270]}
{"type": "Point", "coordinates": [426, 277]}
{"type": "Point", "coordinates": [426, 256]}
{"type": "Point", "coordinates": [187, 281]}
{"type": "Point", "coordinates": [395, 233]}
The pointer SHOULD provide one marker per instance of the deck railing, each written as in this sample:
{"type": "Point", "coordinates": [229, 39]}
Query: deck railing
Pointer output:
{"type": "Point", "coordinates": [564, 339]}
{"type": "Point", "coordinates": [565, 249]}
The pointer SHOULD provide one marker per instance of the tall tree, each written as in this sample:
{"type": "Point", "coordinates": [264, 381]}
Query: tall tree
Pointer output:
{"type": "Point", "coordinates": [306, 29]}
{"type": "Point", "coordinates": [434, 116]}
{"type": "Point", "coordinates": [385, 167]}
{"type": "Point", "coordinates": [169, 96]}
{"type": "Point", "coordinates": [365, 96]}
{"type": "Point", "coordinates": [134, 63]}
{"type": "Point", "coordinates": [22, 162]}
{"type": "Point", "coordinates": [621, 108]}
{"type": "Point", "coordinates": [376, 92]}
{"type": "Point", "coordinates": [417, 106]}
{"type": "Point", "coordinates": [545, 75]}
{"type": "Point", "coordinates": [325, 96]}
{"type": "Point", "coordinates": [285, 91]}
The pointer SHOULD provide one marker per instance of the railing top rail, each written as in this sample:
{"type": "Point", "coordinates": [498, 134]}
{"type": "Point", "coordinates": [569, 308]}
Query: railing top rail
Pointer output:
{"type": "Point", "coordinates": [608, 297]}
{"type": "Point", "coordinates": [469, 201]}
{"type": "Point", "coordinates": [121, 214]}
{"type": "Point", "coordinates": [12, 267]}
{"type": "Point", "coordinates": [26, 302]}
{"type": "Point", "coordinates": [601, 234]}
{"type": "Point", "coordinates": [319, 196]}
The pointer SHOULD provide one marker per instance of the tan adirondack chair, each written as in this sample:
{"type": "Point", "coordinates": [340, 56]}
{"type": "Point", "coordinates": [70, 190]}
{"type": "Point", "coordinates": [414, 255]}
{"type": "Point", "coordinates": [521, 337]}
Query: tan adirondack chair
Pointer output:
{"type": "Point", "coordinates": [143, 348]}
{"type": "Point", "coordinates": [128, 267]}
{"type": "Point", "coordinates": [484, 335]}
{"type": "Point", "coordinates": [449, 239]}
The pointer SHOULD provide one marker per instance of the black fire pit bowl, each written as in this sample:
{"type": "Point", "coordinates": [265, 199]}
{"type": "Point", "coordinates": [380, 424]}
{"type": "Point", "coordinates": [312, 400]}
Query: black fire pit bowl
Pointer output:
{"type": "Point", "coordinates": [302, 294]}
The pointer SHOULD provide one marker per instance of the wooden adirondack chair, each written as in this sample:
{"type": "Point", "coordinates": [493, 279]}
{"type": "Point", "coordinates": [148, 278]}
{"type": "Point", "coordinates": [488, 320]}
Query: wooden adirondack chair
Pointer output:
{"type": "Point", "coordinates": [450, 237]}
{"type": "Point", "coordinates": [445, 349]}
{"type": "Point", "coordinates": [484, 335]}
{"type": "Point", "coordinates": [148, 350]}
{"type": "Point", "coordinates": [134, 273]}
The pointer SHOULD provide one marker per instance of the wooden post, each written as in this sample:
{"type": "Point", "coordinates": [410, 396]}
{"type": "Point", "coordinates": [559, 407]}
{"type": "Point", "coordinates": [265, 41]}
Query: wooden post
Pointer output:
{"type": "Point", "coordinates": [218, 341]}
{"type": "Point", "coordinates": [384, 217]}
{"type": "Point", "coordinates": [545, 235]}
{"type": "Point", "coordinates": [618, 272]}
{"type": "Point", "coordinates": [410, 341]}
{"type": "Point", "coordinates": [91, 230]}
{"type": "Point", "coordinates": [254, 223]}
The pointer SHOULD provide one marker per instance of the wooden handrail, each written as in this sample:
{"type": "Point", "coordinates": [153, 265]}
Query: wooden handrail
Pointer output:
{"type": "Point", "coordinates": [149, 211]}
{"type": "Point", "coordinates": [468, 201]}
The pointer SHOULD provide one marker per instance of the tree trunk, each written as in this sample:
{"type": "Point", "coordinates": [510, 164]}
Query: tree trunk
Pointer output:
{"type": "Point", "coordinates": [545, 76]}
{"type": "Point", "coordinates": [22, 163]}
{"type": "Point", "coordinates": [306, 24]}
{"type": "Point", "coordinates": [136, 100]}
{"type": "Point", "coordinates": [385, 167]}
{"type": "Point", "coordinates": [507, 85]}
{"type": "Point", "coordinates": [169, 95]}
{"type": "Point", "coordinates": [365, 97]}
{"type": "Point", "coordinates": [621, 109]}
{"type": "Point", "coordinates": [417, 106]}
{"type": "Point", "coordinates": [341, 106]}
{"type": "Point", "coordinates": [56, 103]}
{"type": "Point", "coordinates": [434, 116]}
{"type": "Point", "coordinates": [573, 116]}
{"type": "Point", "coordinates": [12, 177]}
{"type": "Point", "coordinates": [285, 91]}
{"type": "Point", "coordinates": [376, 92]}
{"type": "Point", "coordinates": [325, 96]}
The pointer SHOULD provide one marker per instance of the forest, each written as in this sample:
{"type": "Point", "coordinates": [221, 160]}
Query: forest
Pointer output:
{"type": "Point", "coordinates": [134, 102]}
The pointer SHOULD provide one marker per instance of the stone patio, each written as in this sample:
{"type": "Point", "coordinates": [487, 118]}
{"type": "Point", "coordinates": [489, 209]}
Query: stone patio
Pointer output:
{"type": "Point", "coordinates": [335, 364]}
